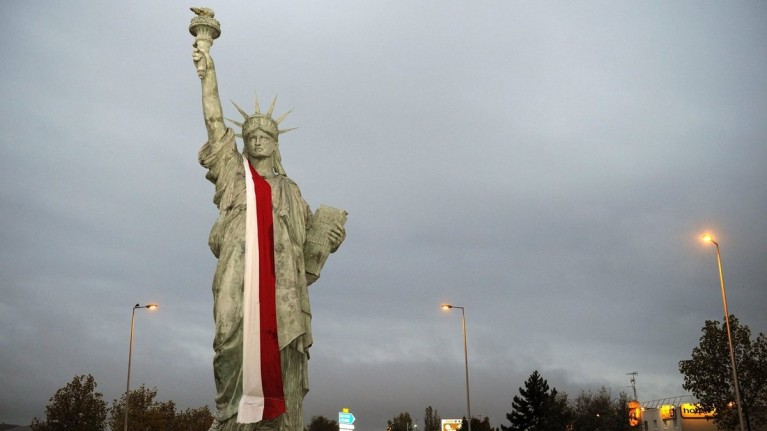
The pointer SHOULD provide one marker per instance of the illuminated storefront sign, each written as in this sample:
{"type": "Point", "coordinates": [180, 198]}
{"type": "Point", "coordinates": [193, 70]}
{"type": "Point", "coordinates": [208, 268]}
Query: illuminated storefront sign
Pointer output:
{"type": "Point", "coordinates": [695, 411]}
{"type": "Point", "coordinates": [635, 413]}
{"type": "Point", "coordinates": [667, 411]}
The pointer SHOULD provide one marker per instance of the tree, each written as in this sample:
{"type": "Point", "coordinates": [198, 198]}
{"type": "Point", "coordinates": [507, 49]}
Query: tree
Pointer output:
{"type": "Point", "coordinates": [538, 408]}
{"type": "Point", "coordinates": [480, 424]}
{"type": "Point", "coordinates": [36, 425]}
{"type": "Point", "coordinates": [431, 420]}
{"type": "Point", "coordinates": [401, 422]}
{"type": "Point", "coordinates": [162, 416]}
{"type": "Point", "coordinates": [75, 406]}
{"type": "Point", "coordinates": [144, 412]}
{"type": "Point", "coordinates": [321, 423]}
{"type": "Point", "coordinates": [599, 412]}
{"type": "Point", "coordinates": [198, 419]}
{"type": "Point", "coordinates": [708, 374]}
{"type": "Point", "coordinates": [559, 415]}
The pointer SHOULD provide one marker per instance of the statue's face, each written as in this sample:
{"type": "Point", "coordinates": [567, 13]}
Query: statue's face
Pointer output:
{"type": "Point", "coordinates": [259, 144]}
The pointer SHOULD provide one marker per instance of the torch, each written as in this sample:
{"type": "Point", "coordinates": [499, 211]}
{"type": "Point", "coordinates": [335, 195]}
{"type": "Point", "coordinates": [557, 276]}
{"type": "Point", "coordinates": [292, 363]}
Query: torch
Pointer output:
{"type": "Point", "coordinates": [204, 28]}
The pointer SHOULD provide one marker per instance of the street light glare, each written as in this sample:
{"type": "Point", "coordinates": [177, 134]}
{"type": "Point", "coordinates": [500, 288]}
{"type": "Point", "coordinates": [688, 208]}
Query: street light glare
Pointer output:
{"type": "Point", "coordinates": [707, 238]}
{"type": "Point", "coordinates": [151, 306]}
{"type": "Point", "coordinates": [446, 306]}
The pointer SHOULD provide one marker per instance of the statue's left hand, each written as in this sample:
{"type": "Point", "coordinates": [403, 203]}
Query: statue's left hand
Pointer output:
{"type": "Point", "coordinates": [336, 235]}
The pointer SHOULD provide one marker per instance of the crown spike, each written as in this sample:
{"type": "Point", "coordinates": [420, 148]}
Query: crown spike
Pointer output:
{"type": "Point", "coordinates": [237, 123]}
{"type": "Point", "coordinates": [244, 114]}
{"type": "Point", "coordinates": [258, 108]}
{"type": "Point", "coordinates": [282, 117]}
{"type": "Point", "coordinates": [281, 131]}
{"type": "Point", "coordinates": [271, 107]}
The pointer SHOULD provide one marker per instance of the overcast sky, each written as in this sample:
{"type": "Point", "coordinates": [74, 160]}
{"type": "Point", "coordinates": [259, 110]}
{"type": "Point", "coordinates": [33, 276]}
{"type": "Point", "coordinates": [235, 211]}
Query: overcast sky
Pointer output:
{"type": "Point", "coordinates": [549, 166]}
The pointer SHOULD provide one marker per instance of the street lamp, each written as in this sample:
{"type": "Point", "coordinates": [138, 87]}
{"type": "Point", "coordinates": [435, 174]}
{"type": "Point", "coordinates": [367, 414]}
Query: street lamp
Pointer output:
{"type": "Point", "coordinates": [130, 354]}
{"type": "Point", "coordinates": [465, 359]}
{"type": "Point", "coordinates": [710, 239]}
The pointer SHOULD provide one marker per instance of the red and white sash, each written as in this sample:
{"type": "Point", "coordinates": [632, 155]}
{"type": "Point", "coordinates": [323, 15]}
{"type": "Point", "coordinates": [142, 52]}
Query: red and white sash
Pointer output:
{"type": "Point", "coordinates": [262, 393]}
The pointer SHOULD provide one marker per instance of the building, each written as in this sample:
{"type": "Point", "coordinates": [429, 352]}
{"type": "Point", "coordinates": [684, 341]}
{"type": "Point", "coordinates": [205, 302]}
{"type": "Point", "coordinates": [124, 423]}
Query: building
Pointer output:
{"type": "Point", "coordinates": [675, 414]}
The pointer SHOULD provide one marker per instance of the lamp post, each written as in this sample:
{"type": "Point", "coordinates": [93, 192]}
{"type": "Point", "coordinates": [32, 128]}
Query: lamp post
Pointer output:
{"type": "Point", "coordinates": [710, 239]}
{"type": "Point", "coordinates": [465, 359]}
{"type": "Point", "coordinates": [130, 354]}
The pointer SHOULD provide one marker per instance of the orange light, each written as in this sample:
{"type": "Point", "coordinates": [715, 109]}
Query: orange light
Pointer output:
{"type": "Point", "coordinates": [151, 306]}
{"type": "Point", "coordinates": [635, 413]}
{"type": "Point", "coordinates": [667, 411]}
{"type": "Point", "coordinates": [708, 238]}
{"type": "Point", "coordinates": [446, 306]}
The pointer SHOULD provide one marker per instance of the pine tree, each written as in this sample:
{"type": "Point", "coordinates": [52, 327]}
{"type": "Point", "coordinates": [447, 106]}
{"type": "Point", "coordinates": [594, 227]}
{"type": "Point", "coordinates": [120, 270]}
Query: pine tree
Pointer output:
{"type": "Point", "coordinates": [537, 408]}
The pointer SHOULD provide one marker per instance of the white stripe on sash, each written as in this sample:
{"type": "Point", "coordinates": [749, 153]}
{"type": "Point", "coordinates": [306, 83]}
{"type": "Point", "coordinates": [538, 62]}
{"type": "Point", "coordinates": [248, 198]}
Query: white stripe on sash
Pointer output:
{"type": "Point", "coordinates": [251, 408]}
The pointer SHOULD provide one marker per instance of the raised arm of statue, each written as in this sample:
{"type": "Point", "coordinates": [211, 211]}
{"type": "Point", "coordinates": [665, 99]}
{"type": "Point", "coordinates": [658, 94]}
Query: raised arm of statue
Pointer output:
{"type": "Point", "coordinates": [205, 28]}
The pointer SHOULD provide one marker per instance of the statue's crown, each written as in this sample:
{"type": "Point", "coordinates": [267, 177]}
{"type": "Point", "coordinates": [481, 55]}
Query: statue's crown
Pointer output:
{"type": "Point", "coordinates": [261, 121]}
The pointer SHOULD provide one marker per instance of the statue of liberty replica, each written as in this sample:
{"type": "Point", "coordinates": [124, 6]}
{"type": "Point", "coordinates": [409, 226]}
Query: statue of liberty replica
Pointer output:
{"type": "Point", "coordinates": [270, 247]}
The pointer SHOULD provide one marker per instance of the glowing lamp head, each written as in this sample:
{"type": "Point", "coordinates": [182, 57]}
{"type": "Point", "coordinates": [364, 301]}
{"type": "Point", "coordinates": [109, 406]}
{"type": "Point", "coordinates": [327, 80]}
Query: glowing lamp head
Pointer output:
{"type": "Point", "coordinates": [707, 238]}
{"type": "Point", "coordinates": [446, 306]}
{"type": "Point", "coordinates": [151, 306]}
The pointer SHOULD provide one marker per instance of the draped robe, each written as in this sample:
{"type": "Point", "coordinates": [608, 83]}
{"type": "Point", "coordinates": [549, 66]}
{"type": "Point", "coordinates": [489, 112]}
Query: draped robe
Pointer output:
{"type": "Point", "coordinates": [292, 219]}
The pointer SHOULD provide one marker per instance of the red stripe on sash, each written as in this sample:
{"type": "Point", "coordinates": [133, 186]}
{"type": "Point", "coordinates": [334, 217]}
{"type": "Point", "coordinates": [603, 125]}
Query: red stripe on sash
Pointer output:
{"type": "Point", "coordinates": [271, 369]}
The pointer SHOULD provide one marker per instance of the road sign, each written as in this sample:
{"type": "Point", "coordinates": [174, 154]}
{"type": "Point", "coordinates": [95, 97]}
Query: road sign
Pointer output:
{"type": "Point", "coordinates": [346, 427]}
{"type": "Point", "coordinates": [345, 418]}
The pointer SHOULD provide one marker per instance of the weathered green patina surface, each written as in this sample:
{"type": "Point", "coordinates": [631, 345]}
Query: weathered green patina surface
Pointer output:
{"type": "Point", "coordinates": [293, 224]}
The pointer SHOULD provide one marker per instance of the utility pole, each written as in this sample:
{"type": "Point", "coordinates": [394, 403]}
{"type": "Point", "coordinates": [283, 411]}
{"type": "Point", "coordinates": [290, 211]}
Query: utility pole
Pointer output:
{"type": "Point", "coordinates": [633, 380]}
